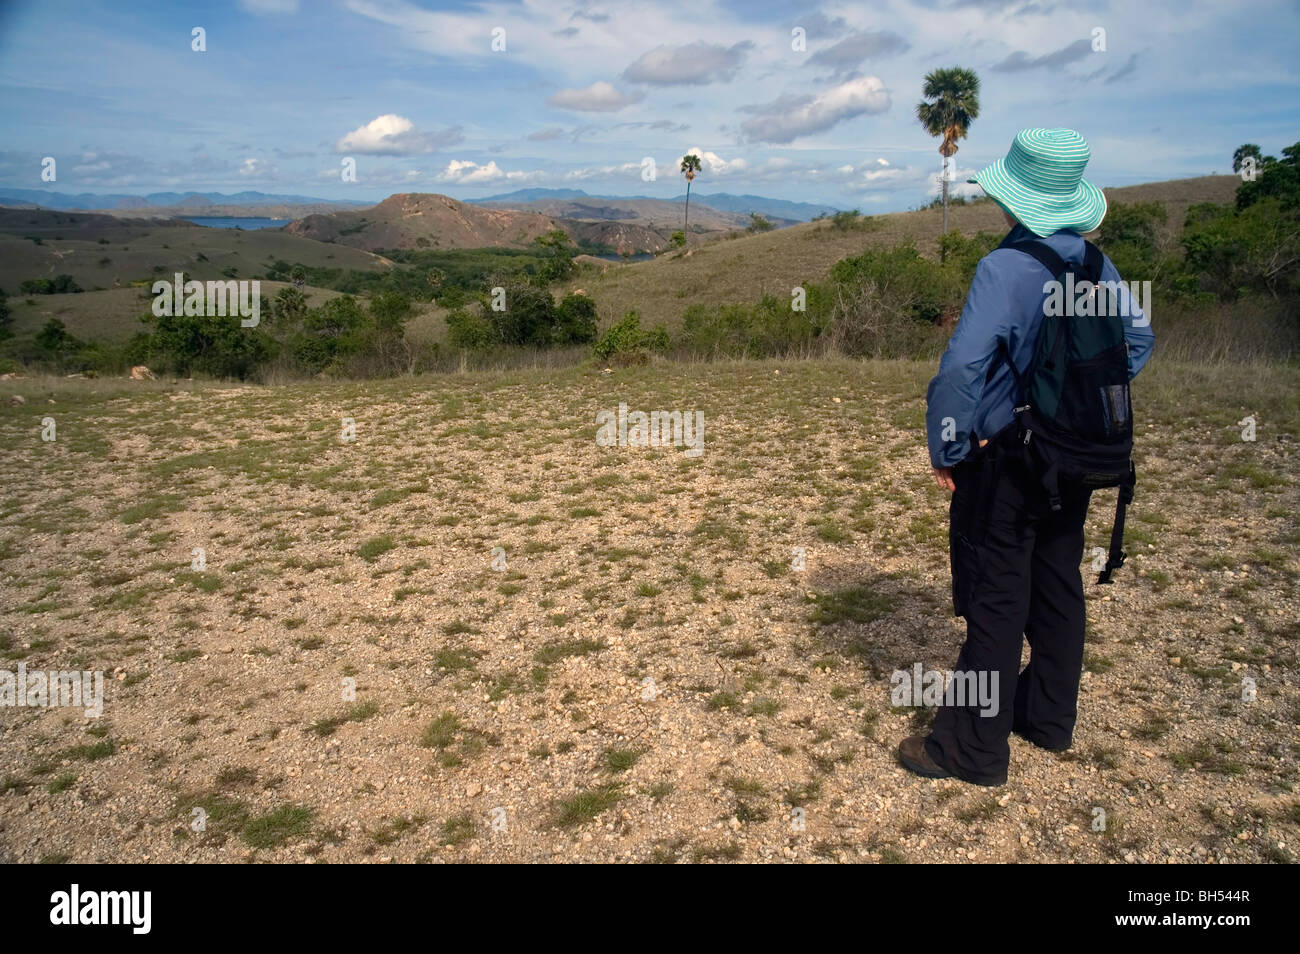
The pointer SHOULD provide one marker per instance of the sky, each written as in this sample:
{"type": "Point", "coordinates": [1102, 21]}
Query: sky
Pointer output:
{"type": "Point", "coordinates": [804, 101]}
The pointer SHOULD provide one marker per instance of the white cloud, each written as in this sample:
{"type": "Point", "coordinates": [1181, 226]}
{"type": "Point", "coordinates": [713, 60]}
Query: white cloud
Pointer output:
{"type": "Point", "coordinates": [393, 135]}
{"type": "Point", "coordinates": [255, 169]}
{"type": "Point", "coordinates": [599, 97]}
{"type": "Point", "coordinates": [627, 169]}
{"type": "Point", "coordinates": [789, 117]}
{"type": "Point", "coordinates": [465, 172]}
{"type": "Point", "coordinates": [958, 187]}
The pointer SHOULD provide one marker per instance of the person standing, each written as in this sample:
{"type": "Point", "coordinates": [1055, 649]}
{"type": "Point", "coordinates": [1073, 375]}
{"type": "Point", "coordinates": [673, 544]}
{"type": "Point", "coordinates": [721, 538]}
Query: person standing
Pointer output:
{"type": "Point", "coordinates": [1016, 519]}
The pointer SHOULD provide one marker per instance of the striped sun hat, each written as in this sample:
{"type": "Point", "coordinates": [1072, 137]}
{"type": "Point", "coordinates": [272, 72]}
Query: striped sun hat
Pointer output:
{"type": "Point", "coordinates": [1041, 182]}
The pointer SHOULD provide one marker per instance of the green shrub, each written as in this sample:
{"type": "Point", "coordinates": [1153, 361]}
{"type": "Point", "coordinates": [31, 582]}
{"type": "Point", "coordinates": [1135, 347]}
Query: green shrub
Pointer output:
{"type": "Point", "coordinates": [58, 285]}
{"type": "Point", "coordinates": [216, 345]}
{"type": "Point", "coordinates": [469, 330]}
{"type": "Point", "coordinates": [914, 286]}
{"type": "Point", "coordinates": [963, 254]}
{"type": "Point", "coordinates": [767, 328]}
{"type": "Point", "coordinates": [846, 219]}
{"type": "Point", "coordinates": [1229, 252]}
{"type": "Point", "coordinates": [628, 338]}
{"type": "Point", "coordinates": [1276, 179]}
{"type": "Point", "coordinates": [575, 320]}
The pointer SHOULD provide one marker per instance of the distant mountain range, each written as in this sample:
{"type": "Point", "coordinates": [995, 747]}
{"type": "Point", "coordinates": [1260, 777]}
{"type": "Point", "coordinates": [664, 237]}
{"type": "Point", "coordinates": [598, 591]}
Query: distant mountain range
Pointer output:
{"type": "Point", "coordinates": [563, 203]}
{"type": "Point", "coordinates": [625, 224]}
{"type": "Point", "coordinates": [721, 201]}
{"type": "Point", "coordinates": [160, 200]}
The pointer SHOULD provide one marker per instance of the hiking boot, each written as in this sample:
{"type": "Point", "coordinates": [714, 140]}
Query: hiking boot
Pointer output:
{"type": "Point", "coordinates": [912, 753]}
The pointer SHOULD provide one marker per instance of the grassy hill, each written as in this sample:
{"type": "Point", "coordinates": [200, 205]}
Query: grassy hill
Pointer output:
{"type": "Point", "coordinates": [741, 268]}
{"type": "Point", "coordinates": [424, 220]}
{"type": "Point", "coordinates": [98, 249]}
{"type": "Point", "coordinates": [428, 220]}
{"type": "Point", "coordinates": [734, 269]}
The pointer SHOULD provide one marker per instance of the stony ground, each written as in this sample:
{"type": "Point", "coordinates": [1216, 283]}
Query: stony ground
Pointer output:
{"type": "Point", "coordinates": [356, 672]}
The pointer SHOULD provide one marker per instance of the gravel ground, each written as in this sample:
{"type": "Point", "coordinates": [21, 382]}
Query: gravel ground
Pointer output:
{"type": "Point", "coordinates": [355, 672]}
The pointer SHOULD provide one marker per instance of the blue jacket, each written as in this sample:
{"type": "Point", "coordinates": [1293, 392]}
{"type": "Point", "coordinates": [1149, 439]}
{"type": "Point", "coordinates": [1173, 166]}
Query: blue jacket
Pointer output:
{"type": "Point", "coordinates": [1005, 304]}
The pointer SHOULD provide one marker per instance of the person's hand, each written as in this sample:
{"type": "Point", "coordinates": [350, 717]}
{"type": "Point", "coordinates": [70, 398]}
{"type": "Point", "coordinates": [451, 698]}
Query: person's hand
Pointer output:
{"type": "Point", "coordinates": [943, 475]}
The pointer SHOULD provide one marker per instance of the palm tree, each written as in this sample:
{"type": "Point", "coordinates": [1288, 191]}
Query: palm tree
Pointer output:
{"type": "Point", "coordinates": [951, 103]}
{"type": "Point", "coordinates": [1249, 150]}
{"type": "Point", "coordinates": [690, 166]}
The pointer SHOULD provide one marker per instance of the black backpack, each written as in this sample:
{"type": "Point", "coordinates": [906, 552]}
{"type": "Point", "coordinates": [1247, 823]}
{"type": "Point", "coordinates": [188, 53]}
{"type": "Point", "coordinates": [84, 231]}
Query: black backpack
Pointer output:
{"type": "Point", "coordinates": [1074, 421]}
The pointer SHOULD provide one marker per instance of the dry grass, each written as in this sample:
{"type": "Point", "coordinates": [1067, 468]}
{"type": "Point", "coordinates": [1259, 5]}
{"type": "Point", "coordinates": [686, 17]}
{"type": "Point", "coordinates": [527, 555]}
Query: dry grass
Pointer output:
{"type": "Point", "coordinates": [523, 688]}
{"type": "Point", "coordinates": [742, 269]}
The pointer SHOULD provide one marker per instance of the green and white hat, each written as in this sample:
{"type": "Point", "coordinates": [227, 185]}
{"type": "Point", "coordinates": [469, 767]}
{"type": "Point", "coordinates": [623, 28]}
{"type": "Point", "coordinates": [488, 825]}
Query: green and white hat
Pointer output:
{"type": "Point", "coordinates": [1041, 182]}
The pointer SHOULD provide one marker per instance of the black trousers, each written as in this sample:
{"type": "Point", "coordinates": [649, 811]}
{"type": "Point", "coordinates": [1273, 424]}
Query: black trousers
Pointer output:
{"type": "Point", "coordinates": [1015, 567]}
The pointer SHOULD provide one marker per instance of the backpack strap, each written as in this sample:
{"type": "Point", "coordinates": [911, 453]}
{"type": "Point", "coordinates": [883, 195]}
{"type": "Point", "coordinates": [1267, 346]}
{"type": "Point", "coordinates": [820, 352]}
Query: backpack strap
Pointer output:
{"type": "Point", "coordinates": [1115, 559]}
{"type": "Point", "coordinates": [1045, 254]}
{"type": "Point", "coordinates": [1050, 260]}
{"type": "Point", "coordinates": [1093, 262]}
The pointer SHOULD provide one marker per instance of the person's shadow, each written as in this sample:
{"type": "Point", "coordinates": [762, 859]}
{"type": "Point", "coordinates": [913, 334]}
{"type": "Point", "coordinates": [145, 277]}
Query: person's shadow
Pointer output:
{"type": "Point", "coordinates": [885, 621]}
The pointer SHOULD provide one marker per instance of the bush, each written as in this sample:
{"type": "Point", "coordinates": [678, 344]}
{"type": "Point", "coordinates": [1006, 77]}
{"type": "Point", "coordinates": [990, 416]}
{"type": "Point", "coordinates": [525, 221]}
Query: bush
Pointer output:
{"type": "Point", "coordinates": [627, 339]}
{"type": "Point", "coordinates": [59, 285]}
{"type": "Point", "coordinates": [215, 345]}
{"type": "Point", "coordinates": [340, 338]}
{"type": "Point", "coordinates": [56, 342]}
{"type": "Point", "coordinates": [575, 320]}
{"type": "Point", "coordinates": [1279, 179]}
{"type": "Point", "coordinates": [527, 318]}
{"type": "Point", "coordinates": [557, 257]}
{"type": "Point", "coordinates": [1129, 237]}
{"type": "Point", "coordinates": [846, 219]}
{"type": "Point", "coordinates": [871, 319]}
{"type": "Point", "coordinates": [768, 328]}
{"type": "Point", "coordinates": [916, 287]}
{"type": "Point", "coordinates": [530, 318]}
{"type": "Point", "coordinates": [469, 330]}
{"type": "Point", "coordinates": [1229, 252]}
{"type": "Point", "coordinates": [963, 254]}
{"type": "Point", "coordinates": [290, 306]}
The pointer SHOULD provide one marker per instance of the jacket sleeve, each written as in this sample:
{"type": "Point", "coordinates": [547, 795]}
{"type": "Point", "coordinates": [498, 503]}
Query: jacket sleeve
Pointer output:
{"type": "Point", "coordinates": [954, 394]}
{"type": "Point", "coordinates": [1137, 322]}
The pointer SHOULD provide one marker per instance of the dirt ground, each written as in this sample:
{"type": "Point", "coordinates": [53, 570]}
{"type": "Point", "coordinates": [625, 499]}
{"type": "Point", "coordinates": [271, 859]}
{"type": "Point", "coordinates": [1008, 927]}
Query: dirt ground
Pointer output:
{"type": "Point", "coordinates": [472, 633]}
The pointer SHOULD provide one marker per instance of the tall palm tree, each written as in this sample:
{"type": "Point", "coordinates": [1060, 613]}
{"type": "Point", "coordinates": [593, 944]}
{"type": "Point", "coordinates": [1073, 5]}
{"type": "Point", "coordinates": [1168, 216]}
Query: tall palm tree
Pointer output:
{"type": "Point", "coordinates": [690, 166]}
{"type": "Point", "coordinates": [951, 103]}
{"type": "Point", "coordinates": [1249, 150]}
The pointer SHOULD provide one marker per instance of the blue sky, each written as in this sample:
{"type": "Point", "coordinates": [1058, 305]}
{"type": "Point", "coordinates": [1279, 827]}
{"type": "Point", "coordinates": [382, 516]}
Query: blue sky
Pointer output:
{"type": "Point", "coordinates": [583, 91]}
